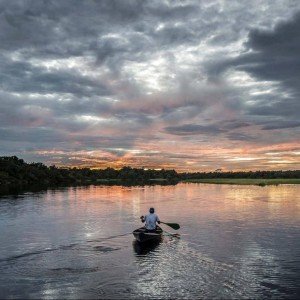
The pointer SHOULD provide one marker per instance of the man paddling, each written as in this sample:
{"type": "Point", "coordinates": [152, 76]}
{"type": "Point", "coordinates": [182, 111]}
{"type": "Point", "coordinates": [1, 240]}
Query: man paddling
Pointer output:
{"type": "Point", "coordinates": [150, 220]}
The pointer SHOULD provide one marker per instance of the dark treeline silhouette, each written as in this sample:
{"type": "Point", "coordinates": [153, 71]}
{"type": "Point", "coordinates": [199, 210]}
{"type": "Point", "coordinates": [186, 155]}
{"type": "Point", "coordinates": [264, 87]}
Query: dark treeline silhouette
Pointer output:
{"type": "Point", "coordinates": [14, 171]}
{"type": "Point", "coordinates": [244, 175]}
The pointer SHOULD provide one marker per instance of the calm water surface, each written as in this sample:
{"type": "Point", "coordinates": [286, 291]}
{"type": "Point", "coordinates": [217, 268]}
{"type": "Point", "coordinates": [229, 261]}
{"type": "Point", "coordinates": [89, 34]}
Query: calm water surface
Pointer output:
{"type": "Point", "coordinates": [236, 242]}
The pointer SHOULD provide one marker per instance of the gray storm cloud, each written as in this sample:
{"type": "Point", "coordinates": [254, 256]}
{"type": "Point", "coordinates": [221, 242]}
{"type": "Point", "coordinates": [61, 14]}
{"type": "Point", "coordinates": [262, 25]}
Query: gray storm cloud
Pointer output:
{"type": "Point", "coordinates": [114, 75]}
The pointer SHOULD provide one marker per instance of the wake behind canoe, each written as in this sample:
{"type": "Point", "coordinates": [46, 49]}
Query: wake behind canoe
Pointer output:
{"type": "Point", "coordinates": [142, 235]}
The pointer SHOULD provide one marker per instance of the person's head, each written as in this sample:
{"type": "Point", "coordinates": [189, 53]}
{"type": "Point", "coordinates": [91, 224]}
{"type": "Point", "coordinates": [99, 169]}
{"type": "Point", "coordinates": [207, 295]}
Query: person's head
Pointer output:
{"type": "Point", "coordinates": [151, 210]}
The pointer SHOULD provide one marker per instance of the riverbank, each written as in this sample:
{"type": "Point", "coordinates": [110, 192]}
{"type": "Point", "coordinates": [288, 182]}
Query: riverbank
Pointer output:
{"type": "Point", "coordinates": [19, 188]}
{"type": "Point", "coordinates": [245, 181]}
{"type": "Point", "coordinates": [16, 175]}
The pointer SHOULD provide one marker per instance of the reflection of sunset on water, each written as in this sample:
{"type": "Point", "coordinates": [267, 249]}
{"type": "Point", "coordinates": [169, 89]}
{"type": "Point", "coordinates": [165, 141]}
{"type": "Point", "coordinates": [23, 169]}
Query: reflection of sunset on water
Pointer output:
{"type": "Point", "coordinates": [230, 235]}
{"type": "Point", "coordinates": [183, 201]}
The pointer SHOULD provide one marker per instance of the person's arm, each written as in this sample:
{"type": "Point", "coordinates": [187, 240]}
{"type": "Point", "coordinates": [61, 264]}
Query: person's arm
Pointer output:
{"type": "Point", "coordinates": [157, 220]}
{"type": "Point", "coordinates": [143, 219]}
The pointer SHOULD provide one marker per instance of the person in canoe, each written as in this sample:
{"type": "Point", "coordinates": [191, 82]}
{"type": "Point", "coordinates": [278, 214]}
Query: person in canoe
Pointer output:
{"type": "Point", "coordinates": [151, 219]}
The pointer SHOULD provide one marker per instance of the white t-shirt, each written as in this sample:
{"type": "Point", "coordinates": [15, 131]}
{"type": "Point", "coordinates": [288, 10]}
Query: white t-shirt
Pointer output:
{"type": "Point", "coordinates": [151, 220]}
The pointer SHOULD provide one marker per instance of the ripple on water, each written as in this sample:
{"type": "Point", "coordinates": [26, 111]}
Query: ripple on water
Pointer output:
{"type": "Point", "coordinates": [249, 243]}
{"type": "Point", "coordinates": [175, 263]}
{"type": "Point", "coordinates": [65, 271]}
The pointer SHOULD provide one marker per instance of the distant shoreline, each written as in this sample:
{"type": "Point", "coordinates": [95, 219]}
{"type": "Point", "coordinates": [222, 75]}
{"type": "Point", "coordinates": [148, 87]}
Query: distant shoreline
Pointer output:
{"type": "Point", "coordinates": [14, 189]}
{"type": "Point", "coordinates": [18, 175]}
{"type": "Point", "coordinates": [230, 181]}
{"type": "Point", "coordinates": [245, 181]}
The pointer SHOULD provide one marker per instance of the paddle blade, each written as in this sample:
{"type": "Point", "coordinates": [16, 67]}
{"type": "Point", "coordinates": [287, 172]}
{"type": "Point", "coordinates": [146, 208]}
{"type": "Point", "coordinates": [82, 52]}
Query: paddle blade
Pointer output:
{"type": "Point", "coordinates": [175, 226]}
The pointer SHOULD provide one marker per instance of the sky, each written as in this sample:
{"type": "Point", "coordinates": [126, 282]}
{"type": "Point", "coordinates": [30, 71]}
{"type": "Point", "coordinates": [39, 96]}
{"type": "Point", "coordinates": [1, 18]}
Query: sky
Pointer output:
{"type": "Point", "coordinates": [184, 85]}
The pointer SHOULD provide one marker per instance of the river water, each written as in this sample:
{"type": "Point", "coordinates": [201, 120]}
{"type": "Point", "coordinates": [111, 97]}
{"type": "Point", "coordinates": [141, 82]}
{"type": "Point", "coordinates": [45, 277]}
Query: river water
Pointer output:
{"type": "Point", "coordinates": [236, 242]}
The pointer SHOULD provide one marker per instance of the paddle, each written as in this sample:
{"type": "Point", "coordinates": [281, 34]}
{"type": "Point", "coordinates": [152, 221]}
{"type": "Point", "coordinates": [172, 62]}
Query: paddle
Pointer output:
{"type": "Point", "coordinates": [175, 226]}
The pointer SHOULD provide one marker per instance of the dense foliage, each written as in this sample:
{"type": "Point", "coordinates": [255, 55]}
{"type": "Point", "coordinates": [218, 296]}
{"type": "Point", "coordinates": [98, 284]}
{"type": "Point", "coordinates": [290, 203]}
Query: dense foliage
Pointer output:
{"type": "Point", "coordinates": [248, 175]}
{"type": "Point", "coordinates": [15, 171]}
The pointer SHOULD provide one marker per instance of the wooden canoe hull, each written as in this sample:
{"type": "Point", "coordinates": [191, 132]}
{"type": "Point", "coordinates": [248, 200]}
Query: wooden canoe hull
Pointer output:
{"type": "Point", "coordinates": [142, 236]}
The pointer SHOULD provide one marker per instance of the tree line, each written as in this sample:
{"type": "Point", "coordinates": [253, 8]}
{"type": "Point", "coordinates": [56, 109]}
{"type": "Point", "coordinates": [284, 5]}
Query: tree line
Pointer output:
{"type": "Point", "coordinates": [243, 174]}
{"type": "Point", "coordinates": [14, 170]}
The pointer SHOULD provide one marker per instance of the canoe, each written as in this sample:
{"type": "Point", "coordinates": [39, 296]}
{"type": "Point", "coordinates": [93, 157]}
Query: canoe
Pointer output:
{"type": "Point", "coordinates": [144, 248]}
{"type": "Point", "coordinates": [142, 236]}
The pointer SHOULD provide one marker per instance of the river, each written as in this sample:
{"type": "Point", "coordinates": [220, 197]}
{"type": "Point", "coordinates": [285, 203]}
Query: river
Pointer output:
{"type": "Point", "coordinates": [76, 242]}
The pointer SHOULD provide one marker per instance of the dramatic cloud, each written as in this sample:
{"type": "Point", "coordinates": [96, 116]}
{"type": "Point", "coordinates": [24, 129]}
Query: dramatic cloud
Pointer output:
{"type": "Point", "coordinates": [190, 85]}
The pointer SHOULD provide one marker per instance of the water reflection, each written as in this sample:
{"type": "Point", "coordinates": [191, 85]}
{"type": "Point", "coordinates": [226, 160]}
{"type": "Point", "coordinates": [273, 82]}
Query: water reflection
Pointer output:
{"type": "Point", "coordinates": [145, 248]}
{"type": "Point", "coordinates": [76, 242]}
